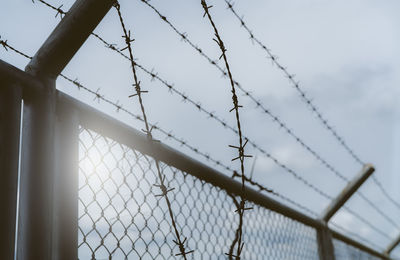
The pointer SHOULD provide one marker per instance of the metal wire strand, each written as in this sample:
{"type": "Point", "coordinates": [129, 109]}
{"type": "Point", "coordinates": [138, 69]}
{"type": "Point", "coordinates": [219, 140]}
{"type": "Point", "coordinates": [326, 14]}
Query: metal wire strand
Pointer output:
{"type": "Point", "coordinates": [224, 124]}
{"type": "Point", "coordinates": [295, 84]}
{"type": "Point", "coordinates": [265, 110]}
{"type": "Point", "coordinates": [98, 96]}
{"type": "Point", "coordinates": [180, 240]}
{"type": "Point", "coordinates": [241, 207]}
{"type": "Point", "coordinates": [211, 115]}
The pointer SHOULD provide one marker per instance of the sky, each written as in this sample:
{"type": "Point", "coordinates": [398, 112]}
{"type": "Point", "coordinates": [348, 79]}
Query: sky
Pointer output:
{"type": "Point", "coordinates": [344, 54]}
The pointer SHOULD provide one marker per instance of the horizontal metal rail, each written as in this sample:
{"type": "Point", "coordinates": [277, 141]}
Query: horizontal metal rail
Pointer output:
{"type": "Point", "coordinates": [354, 243]}
{"type": "Point", "coordinates": [347, 192]}
{"type": "Point", "coordinates": [112, 128]}
{"type": "Point", "coordinates": [124, 134]}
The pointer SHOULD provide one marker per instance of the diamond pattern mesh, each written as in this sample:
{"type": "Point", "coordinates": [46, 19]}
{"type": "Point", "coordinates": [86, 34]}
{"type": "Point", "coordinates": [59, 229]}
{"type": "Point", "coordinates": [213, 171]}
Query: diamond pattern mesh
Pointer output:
{"type": "Point", "coordinates": [120, 217]}
{"type": "Point", "coordinates": [344, 251]}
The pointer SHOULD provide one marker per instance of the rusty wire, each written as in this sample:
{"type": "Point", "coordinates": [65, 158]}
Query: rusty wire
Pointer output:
{"type": "Point", "coordinates": [180, 240]}
{"type": "Point", "coordinates": [241, 207]}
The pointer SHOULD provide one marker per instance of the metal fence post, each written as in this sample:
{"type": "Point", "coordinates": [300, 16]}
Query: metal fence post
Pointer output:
{"type": "Point", "coordinates": [37, 176]}
{"type": "Point", "coordinates": [325, 244]}
{"type": "Point", "coordinates": [10, 111]}
{"type": "Point", "coordinates": [347, 192]}
{"type": "Point", "coordinates": [324, 235]}
{"type": "Point", "coordinates": [37, 171]}
{"type": "Point", "coordinates": [65, 232]}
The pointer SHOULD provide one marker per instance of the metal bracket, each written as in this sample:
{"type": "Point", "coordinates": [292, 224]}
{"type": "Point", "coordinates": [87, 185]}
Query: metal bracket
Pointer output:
{"type": "Point", "coordinates": [347, 192]}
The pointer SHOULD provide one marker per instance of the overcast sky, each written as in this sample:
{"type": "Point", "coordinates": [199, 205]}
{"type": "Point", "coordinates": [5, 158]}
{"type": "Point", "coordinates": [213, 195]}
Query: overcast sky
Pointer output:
{"type": "Point", "coordinates": [344, 53]}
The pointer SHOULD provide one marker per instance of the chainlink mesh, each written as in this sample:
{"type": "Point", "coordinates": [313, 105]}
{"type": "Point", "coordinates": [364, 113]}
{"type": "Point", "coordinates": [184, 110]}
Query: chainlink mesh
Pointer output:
{"type": "Point", "coordinates": [120, 217]}
{"type": "Point", "coordinates": [344, 251]}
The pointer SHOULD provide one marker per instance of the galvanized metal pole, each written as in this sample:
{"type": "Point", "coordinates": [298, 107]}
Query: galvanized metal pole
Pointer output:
{"type": "Point", "coordinates": [37, 170]}
{"type": "Point", "coordinates": [324, 235]}
{"type": "Point", "coordinates": [392, 246]}
{"type": "Point", "coordinates": [37, 176]}
{"type": "Point", "coordinates": [325, 244]}
{"type": "Point", "coordinates": [65, 232]}
{"type": "Point", "coordinates": [69, 35]}
{"type": "Point", "coordinates": [10, 111]}
{"type": "Point", "coordinates": [347, 192]}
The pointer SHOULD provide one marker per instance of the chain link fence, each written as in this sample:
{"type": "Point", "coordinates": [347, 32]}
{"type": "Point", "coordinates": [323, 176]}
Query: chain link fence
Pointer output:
{"type": "Point", "coordinates": [121, 218]}
{"type": "Point", "coordinates": [344, 251]}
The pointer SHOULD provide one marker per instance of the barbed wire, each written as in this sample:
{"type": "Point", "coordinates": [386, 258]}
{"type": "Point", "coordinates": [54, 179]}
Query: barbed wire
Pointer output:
{"type": "Point", "coordinates": [180, 240]}
{"type": "Point", "coordinates": [119, 107]}
{"type": "Point", "coordinates": [305, 98]}
{"type": "Point", "coordinates": [259, 104]}
{"type": "Point", "coordinates": [224, 124]}
{"type": "Point", "coordinates": [198, 105]}
{"type": "Point", "coordinates": [295, 84]}
{"type": "Point", "coordinates": [352, 212]}
{"type": "Point", "coordinates": [270, 191]}
{"type": "Point", "coordinates": [59, 11]}
{"type": "Point", "coordinates": [385, 193]}
{"type": "Point", "coordinates": [212, 115]}
{"type": "Point", "coordinates": [241, 207]}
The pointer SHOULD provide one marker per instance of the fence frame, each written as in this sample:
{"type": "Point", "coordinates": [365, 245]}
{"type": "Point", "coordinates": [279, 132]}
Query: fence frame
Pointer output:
{"type": "Point", "coordinates": [50, 115]}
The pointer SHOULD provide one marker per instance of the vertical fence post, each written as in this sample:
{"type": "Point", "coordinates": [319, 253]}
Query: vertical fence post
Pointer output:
{"type": "Point", "coordinates": [37, 171]}
{"type": "Point", "coordinates": [325, 244]}
{"type": "Point", "coordinates": [10, 111]}
{"type": "Point", "coordinates": [324, 235]}
{"type": "Point", "coordinates": [65, 233]}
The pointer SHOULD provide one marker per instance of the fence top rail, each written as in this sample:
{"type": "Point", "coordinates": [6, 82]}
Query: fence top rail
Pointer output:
{"type": "Point", "coordinates": [114, 129]}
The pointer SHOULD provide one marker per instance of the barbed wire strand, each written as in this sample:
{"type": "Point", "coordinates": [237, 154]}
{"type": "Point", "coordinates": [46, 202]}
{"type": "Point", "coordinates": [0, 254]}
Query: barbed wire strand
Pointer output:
{"type": "Point", "coordinates": [275, 118]}
{"type": "Point", "coordinates": [186, 98]}
{"type": "Point", "coordinates": [307, 100]}
{"type": "Point", "coordinates": [212, 115]}
{"type": "Point", "coordinates": [98, 96]}
{"type": "Point", "coordinates": [242, 143]}
{"type": "Point", "coordinates": [258, 103]}
{"type": "Point", "coordinates": [295, 84]}
{"type": "Point", "coordinates": [225, 125]}
{"type": "Point", "coordinates": [180, 240]}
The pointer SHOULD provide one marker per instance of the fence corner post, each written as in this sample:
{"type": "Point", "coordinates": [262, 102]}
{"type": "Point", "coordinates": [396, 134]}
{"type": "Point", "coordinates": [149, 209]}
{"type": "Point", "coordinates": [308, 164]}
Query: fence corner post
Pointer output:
{"type": "Point", "coordinates": [66, 182]}
{"type": "Point", "coordinates": [325, 244]}
{"type": "Point", "coordinates": [10, 111]}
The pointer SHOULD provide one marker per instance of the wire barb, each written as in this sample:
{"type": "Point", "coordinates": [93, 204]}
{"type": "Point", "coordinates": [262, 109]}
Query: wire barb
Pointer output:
{"type": "Point", "coordinates": [295, 84]}
{"type": "Point", "coordinates": [241, 208]}
{"type": "Point", "coordinates": [148, 130]}
{"type": "Point", "coordinates": [182, 142]}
